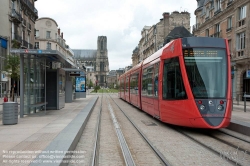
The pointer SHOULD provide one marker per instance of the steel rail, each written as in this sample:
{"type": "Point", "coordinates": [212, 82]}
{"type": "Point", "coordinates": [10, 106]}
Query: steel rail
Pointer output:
{"type": "Point", "coordinates": [157, 152]}
{"type": "Point", "coordinates": [124, 147]}
{"type": "Point", "coordinates": [97, 139]}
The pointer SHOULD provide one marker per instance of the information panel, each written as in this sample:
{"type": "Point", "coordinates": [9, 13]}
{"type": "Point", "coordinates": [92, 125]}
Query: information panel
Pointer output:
{"type": "Point", "coordinates": [80, 84]}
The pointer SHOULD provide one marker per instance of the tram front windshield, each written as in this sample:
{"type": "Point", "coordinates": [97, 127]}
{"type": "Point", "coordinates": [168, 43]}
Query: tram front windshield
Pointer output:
{"type": "Point", "coordinates": [207, 71]}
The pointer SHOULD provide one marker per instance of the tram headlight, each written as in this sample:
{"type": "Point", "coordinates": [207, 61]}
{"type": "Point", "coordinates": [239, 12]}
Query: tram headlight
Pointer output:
{"type": "Point", "coordinates": [202, 107]}
{"type": "Point", "coordinates": [220, 107]}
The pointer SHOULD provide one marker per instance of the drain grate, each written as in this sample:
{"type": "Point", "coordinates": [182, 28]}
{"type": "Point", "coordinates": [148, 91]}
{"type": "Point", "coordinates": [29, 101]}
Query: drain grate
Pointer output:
{"type": "Point", "coordinates": [148, 123]}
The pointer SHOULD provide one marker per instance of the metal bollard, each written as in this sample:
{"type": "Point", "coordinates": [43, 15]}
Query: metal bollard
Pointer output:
{"type": "Point", "coordinates": [238, 98]}
{"type": "Point", "coordinates": [245, 96]}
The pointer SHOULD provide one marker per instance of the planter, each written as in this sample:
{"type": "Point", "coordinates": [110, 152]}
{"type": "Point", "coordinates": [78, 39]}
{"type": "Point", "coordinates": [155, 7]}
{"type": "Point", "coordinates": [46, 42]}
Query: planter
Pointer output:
{"type": "Point", "coordinates": [10, 113]}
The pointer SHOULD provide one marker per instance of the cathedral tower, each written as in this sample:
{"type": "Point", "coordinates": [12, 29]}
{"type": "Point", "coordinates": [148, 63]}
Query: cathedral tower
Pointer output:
{"type": "Point", "coordinates": [102, 62]}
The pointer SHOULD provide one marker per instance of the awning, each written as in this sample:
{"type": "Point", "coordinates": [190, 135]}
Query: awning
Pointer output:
{"type": "Point", "coordinates": [81, 71]}
{"type": "Point", "coordinates": [53, 55]}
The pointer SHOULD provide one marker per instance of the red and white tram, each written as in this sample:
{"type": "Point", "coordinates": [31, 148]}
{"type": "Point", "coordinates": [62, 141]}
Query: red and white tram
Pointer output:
{"type": "Point", "coordinates": [186, 83]}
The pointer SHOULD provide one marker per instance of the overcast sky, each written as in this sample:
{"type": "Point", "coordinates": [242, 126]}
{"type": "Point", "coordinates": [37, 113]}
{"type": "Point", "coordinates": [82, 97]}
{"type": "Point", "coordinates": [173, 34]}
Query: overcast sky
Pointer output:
{"type": "Point", "coordinates": [82, 21]}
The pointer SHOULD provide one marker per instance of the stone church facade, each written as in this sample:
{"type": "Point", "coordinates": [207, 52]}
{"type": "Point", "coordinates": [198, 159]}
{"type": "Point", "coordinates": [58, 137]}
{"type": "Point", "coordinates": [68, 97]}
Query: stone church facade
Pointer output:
{"type": "Point", "coordinates": [95, 61]}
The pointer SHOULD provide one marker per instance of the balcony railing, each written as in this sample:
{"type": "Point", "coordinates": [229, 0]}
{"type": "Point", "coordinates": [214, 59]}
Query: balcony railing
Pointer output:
{"type": "Point", "coordinates": [25, 43]}
{"type": "Point", "coordinates": [30, 6]}
{"type": "Point", "coordinates": [196, 26]}
{"type": "Point", "coordinates": [241, 22]}
{"type": "Point", "coordinates": [16, 16]}
{"type": "Point", "coordinates": [229, 29]}
{"type": "Point", "coordinates": [229, 3]}
{"type": "Point", "coordinates": [30, 46]}
{"type": "Point", "coordinates": [217, 11]}
{"type": "Point", "coordinates": [217, 34]}
{"type": "Point", "coordinates": [28, 3]}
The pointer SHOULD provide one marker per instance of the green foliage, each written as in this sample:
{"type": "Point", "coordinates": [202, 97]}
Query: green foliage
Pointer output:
{"type": "Point", "coordinates": [96, 88]}
{"type": "Point", "coordinates": [12, 66]}
{"type": "Point", "coordinates": [15, 44]}
{"type": "Point", "coordinates": [90, 84]}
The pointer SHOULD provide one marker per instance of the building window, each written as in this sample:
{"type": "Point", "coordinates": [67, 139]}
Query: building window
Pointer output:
{"type": "Point", "coordinates": [37, 33]}
{"type": "Point", "coordinates": [55, 35]}
{"type": "Point", "coordinates": [48, 35]}
{"type": "Point", "coordinates": [218, 5]}
{"type": "Point", "coordinates": [229, 23]}
{"type": "Point", "coordinates": [36, 45]}
{"type": "Point", "coordinates": [241, 40]}
{"type": "Point", "coordinates": [207, 32]}
{"type": "Point", "coordinates": [217, 30]}
{"type": "Point", "coordinates": [48, 46]}
{"type": "Point", "coordinates": [242, 16]}
{"type": "Point", "coordinates": [242, 12]}
{"type": "Point", "coordinates": [207, 12]}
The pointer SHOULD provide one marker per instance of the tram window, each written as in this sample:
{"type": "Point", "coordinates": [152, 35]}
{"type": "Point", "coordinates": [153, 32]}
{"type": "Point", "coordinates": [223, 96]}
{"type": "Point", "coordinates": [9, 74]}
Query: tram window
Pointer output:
{"type": "Point", "coordinates": [173, 86]}
{"type": "Point", "coordinates": [147, 81]}
{"type": "Point", "coordinates": [207, 71]}
{"type": "Point", "coordinates": [122, 85]}
{"type": "Point", "coordinates": [134, 83]}
{"type": "Point", "coordinates": [156, 75]}
{"type": "Point", "coordinates": [127, 83]}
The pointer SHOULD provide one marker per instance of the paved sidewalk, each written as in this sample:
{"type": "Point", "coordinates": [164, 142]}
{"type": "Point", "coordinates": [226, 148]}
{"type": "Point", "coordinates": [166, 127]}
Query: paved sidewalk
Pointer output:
{"type": "Point", "coordinates": [35, 132]}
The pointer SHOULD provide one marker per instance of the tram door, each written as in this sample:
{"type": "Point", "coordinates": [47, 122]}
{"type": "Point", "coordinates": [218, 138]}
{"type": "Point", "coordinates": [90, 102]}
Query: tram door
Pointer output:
{"type": "Point", "coordinates": [156, 90]}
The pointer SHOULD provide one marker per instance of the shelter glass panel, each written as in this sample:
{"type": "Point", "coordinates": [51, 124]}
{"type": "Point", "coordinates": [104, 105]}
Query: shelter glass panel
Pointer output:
{"type": "Point", "coordinates": [34, 84]}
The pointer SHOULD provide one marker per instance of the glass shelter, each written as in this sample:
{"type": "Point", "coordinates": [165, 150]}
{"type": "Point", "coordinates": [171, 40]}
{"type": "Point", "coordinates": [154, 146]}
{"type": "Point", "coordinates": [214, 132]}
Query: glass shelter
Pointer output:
{"type": "Point", "coordinates": [42, 80]}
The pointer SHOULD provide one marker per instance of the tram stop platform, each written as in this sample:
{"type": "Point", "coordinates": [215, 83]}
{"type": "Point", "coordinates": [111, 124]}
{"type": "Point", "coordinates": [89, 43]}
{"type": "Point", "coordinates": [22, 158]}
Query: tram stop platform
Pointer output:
{"type": "Point", "coordinates": [58, 131]}
{"type": "Point", "coordinates": [39, 135]}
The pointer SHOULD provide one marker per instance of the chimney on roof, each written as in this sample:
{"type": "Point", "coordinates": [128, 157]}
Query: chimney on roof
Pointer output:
{"type": "Point", "coordinates": [59, 31]}
{"type": "Point", "coordinates": [62, 35]}
{"type": "Point", "coordinates": [165, 15]}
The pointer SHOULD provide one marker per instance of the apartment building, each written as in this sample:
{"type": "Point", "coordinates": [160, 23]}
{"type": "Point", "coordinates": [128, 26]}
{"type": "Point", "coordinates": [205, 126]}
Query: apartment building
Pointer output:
{"type": "Point", "coordinates": [17, 29]}
{"type": "Point", "coordinates": [48, 36]}
{"type": "Point", "coordinates": [113, 77]}
{"type": "Point", "coordinates": [153, 36]}
{"type": "Point", "coordinates": [228, 19]}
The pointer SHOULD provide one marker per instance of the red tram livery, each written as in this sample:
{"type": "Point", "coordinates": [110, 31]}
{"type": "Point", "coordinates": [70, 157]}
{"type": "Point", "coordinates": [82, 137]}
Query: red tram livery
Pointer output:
{"type": "Point", "coordinates": [185, 83]}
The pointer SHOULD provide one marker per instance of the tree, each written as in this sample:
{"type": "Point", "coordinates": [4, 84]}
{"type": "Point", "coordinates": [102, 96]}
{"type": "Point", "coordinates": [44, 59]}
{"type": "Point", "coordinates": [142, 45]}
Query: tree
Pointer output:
{"type": "Point", "coordinates": [90, 84]}
{"type": "Point", "coordinates": [12, 66]}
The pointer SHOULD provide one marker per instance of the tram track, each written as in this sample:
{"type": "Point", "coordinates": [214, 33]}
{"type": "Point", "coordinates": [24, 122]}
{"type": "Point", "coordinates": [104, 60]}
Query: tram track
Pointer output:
{"type": "Point", "coordinates": [220, 153]}
{"type": "Point", "coordinates": [220, 145]}
{"type": "Point", "coordinates": [146, 139]}
{"type": "Point", "coordinates": [173, 147]}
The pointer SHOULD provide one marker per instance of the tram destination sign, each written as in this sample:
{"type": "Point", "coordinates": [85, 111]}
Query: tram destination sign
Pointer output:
{"type": "Point", "coordinates": [200, 53]}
